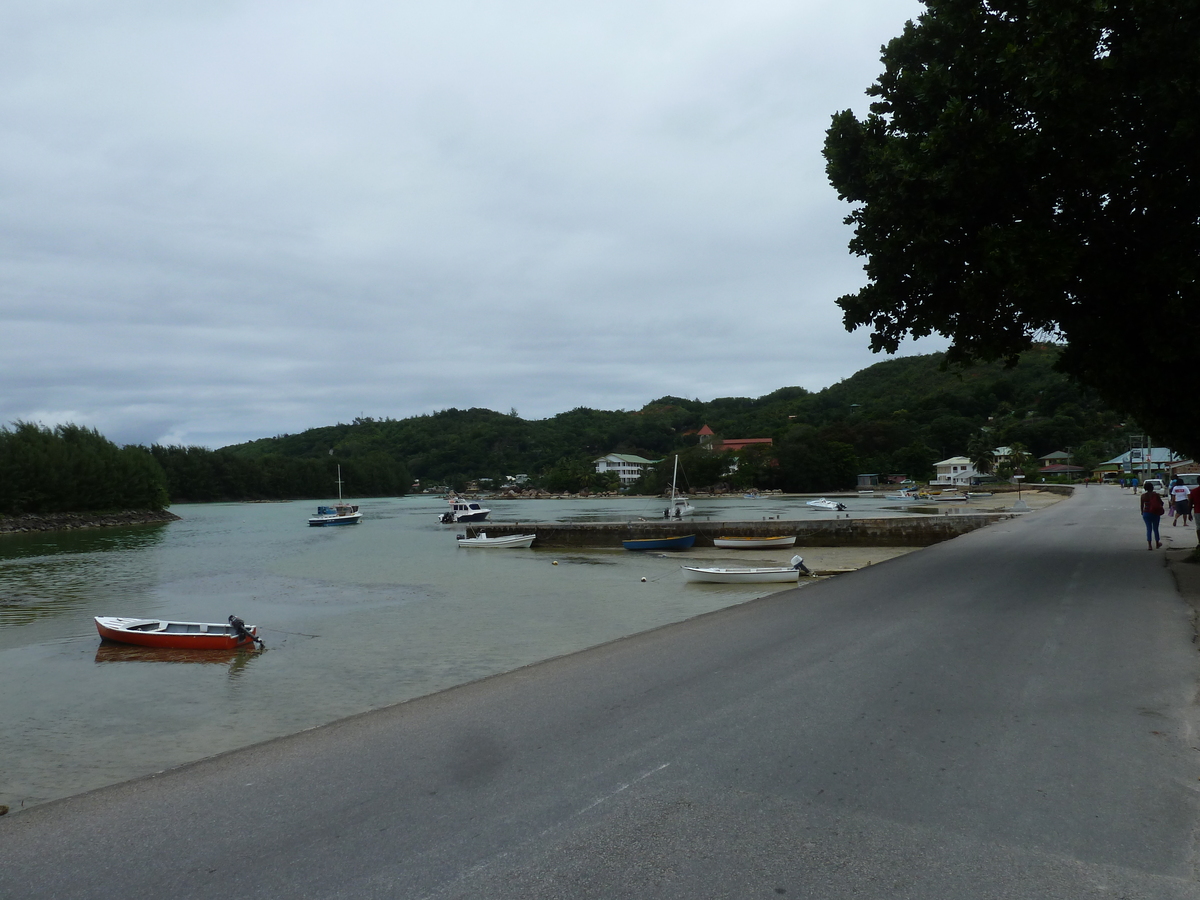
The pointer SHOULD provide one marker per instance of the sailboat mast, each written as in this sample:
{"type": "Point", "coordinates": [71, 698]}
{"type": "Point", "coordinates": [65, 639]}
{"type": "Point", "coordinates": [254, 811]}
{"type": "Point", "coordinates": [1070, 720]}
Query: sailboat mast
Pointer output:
{"type": "Point", "coordinates": [674, 475]}
{"type": "Point", "coordinates": [339, 483]}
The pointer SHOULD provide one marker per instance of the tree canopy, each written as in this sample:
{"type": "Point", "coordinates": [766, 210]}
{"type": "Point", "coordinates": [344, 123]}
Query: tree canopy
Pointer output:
{"type": "Point", "coordinates": [1027, 170]}
{"type": "Point", "coordinates": [70, 468]}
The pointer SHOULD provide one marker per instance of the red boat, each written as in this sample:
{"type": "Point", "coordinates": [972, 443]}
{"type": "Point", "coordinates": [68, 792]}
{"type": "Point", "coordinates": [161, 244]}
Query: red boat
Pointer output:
{"type": "Point", "coordinates": [178, 635]}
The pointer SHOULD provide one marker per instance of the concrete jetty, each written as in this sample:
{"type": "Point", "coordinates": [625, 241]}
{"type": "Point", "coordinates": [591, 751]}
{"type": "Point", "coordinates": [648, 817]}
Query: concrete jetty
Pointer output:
{"type": "Point", "coordinates": [909, 531]}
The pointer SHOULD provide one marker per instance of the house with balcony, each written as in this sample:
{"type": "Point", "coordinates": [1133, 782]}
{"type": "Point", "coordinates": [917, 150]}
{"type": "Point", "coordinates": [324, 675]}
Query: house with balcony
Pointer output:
{"type": "Point", "coordinates": [628, 467]}
{"type": "Point", "coordinates": [956, 471]}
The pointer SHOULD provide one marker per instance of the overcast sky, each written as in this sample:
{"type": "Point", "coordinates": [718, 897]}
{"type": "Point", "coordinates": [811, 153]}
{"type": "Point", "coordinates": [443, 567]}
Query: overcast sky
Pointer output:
{"type": "Point", "coordinates": [237, 218]}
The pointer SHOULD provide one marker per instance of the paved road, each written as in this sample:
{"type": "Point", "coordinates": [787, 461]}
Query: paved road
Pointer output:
{"type": "Point", "coordinates": [1009, 714]}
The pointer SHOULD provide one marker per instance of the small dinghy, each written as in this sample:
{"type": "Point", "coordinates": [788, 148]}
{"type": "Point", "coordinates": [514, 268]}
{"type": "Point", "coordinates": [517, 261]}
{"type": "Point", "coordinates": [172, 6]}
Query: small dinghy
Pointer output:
{"type": "Point", "coordinates": [759, 575]}
{"type": "Point", "coordinates": [754, 543]}
{"type": "Point", "coordinates": [740, 575]}
{"type": "Point", "coordinates": [507, 540]}
{"type": "Point", "coordinates": [683, 542]}
{"type": "Point", "coordinates": [178, 635]}
{"type": "Point", "coordinates": [827, 504]}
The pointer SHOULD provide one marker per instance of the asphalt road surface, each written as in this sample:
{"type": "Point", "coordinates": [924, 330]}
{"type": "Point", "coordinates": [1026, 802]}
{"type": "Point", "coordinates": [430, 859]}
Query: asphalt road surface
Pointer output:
{"type": "Point", "coordinates": [1009, 714]}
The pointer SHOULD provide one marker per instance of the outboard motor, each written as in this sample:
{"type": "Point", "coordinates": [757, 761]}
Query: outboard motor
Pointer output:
{"type": "Point", "coordinates": [799, 566]}
{"type": "Point", "coordinates": [239, 628]}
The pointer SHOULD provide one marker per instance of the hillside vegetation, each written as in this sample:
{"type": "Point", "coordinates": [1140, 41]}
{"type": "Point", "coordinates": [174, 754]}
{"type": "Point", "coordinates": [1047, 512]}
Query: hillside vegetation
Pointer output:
{"type": "Point", "coordinates": [897, 416]}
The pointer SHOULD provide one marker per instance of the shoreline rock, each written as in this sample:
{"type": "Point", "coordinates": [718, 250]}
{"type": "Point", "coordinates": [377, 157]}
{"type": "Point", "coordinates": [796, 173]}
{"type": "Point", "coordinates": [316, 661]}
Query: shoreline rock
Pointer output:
{"type": "Point", "coordinates": [30, 522]}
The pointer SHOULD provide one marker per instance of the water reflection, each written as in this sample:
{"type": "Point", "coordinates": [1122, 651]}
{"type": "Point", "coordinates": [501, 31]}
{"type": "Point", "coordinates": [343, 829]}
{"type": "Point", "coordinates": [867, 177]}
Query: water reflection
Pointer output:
{"type": "Point", "coordinates": [236, 660]}
{"type": "Point", "coordinates": [59, 573]}
{"type": "Point", "coordinates": [82, 540]}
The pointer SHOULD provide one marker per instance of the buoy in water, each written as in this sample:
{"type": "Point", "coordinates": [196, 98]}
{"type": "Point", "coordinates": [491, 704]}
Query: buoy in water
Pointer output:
{"type": "Point", "coordinates": [555, 563]}
{"type": "Point", "coordinates": [643, 578]}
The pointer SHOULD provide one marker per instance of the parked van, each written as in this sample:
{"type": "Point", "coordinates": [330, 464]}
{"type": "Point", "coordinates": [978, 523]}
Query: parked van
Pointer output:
{"type": "Point", "coordinates": [1191, 479]}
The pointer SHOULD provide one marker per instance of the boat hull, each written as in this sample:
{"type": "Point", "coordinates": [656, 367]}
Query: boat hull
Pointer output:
{"type": "Point", "coordinates": [186, 636]}
{"type": "Point", "coordinates": [754, 543]}
{"type": "Point", "coordinates": [519, 541]}
{"type": "Point", "coordinates": [764, 575]}
{"type": "Point", "coordinates": [317, 521]}
{"type": "Point", "coordinates": [683, 542]}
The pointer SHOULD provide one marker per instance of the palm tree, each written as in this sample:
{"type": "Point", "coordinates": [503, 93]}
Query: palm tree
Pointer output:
{"type": "Point", "coordinates": [983, 460]}
{"type": "Point", "coordinates": [1019, 458]}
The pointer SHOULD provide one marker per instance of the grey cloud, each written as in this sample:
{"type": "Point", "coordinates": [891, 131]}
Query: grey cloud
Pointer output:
{"type": "Point", "coordinates": [247, 218]}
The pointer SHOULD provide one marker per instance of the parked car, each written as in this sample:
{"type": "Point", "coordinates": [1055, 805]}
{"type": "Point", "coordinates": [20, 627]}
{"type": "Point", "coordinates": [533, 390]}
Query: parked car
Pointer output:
{"type": "Point", "coordinates": [1159, 487]}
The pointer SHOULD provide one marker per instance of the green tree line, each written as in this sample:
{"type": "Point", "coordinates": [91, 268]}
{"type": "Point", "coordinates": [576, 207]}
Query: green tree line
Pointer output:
{"type": "Point", "coordinates": [70, 468]}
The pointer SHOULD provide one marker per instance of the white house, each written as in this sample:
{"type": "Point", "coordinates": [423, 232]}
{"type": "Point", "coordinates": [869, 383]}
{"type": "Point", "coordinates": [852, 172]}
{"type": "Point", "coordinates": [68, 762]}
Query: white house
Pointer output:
{"type": "Point", "coordinates": [956, 471]}
{"type": "Point", "coordinates": [627, 466]}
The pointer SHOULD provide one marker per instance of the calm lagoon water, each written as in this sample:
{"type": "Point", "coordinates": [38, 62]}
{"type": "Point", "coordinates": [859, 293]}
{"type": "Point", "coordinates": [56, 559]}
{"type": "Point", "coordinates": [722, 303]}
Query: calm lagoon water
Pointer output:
{"type": "Point", "coordinates": [354, 618]}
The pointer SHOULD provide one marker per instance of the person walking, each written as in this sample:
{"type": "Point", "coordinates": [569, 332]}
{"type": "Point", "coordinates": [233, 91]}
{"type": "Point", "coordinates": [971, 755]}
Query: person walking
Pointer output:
{"type": "Point", "coordinates": [1182, 503]}
{"type": "Point", "coordinates": [1152, 510]}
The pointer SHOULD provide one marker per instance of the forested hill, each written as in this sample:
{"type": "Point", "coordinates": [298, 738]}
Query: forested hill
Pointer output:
{"type": "Point", "coordinates": [899, 415]}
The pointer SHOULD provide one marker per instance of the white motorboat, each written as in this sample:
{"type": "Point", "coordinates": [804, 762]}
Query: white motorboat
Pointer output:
{"type": "Point", "coordinates": [827, 504]}
{"type": "Point", "coordinates": [944, 497]}
{"type": "Point", "coordinates": [754, 543]}
{"type": "Point", "coordinates": [906, 494]}
{"type": "Point", "coordinates": [463, 511]}
{"type": "Point", "coordinates": [506, 540]}
{"type": "Point", "coordinates": [341, 513]}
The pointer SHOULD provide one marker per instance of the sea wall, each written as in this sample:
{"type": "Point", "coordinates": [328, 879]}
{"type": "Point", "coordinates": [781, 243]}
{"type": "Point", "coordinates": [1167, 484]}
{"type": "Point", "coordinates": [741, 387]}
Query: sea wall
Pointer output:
{"type": "Point", "coordinates": [67, 521]}
{"type": "Point", "coordinates": [908, 531]}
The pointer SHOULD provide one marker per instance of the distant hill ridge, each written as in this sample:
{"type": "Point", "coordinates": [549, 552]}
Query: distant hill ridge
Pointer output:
{"type": "Point", "coordinates": [898, 415]}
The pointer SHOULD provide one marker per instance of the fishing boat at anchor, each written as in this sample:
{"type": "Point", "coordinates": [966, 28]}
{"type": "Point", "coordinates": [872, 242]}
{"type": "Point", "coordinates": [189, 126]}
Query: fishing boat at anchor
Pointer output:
{"type": "Point", "coordinates": [341, 513]}
{"type": "Point", "coordinates": [166, 634]}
